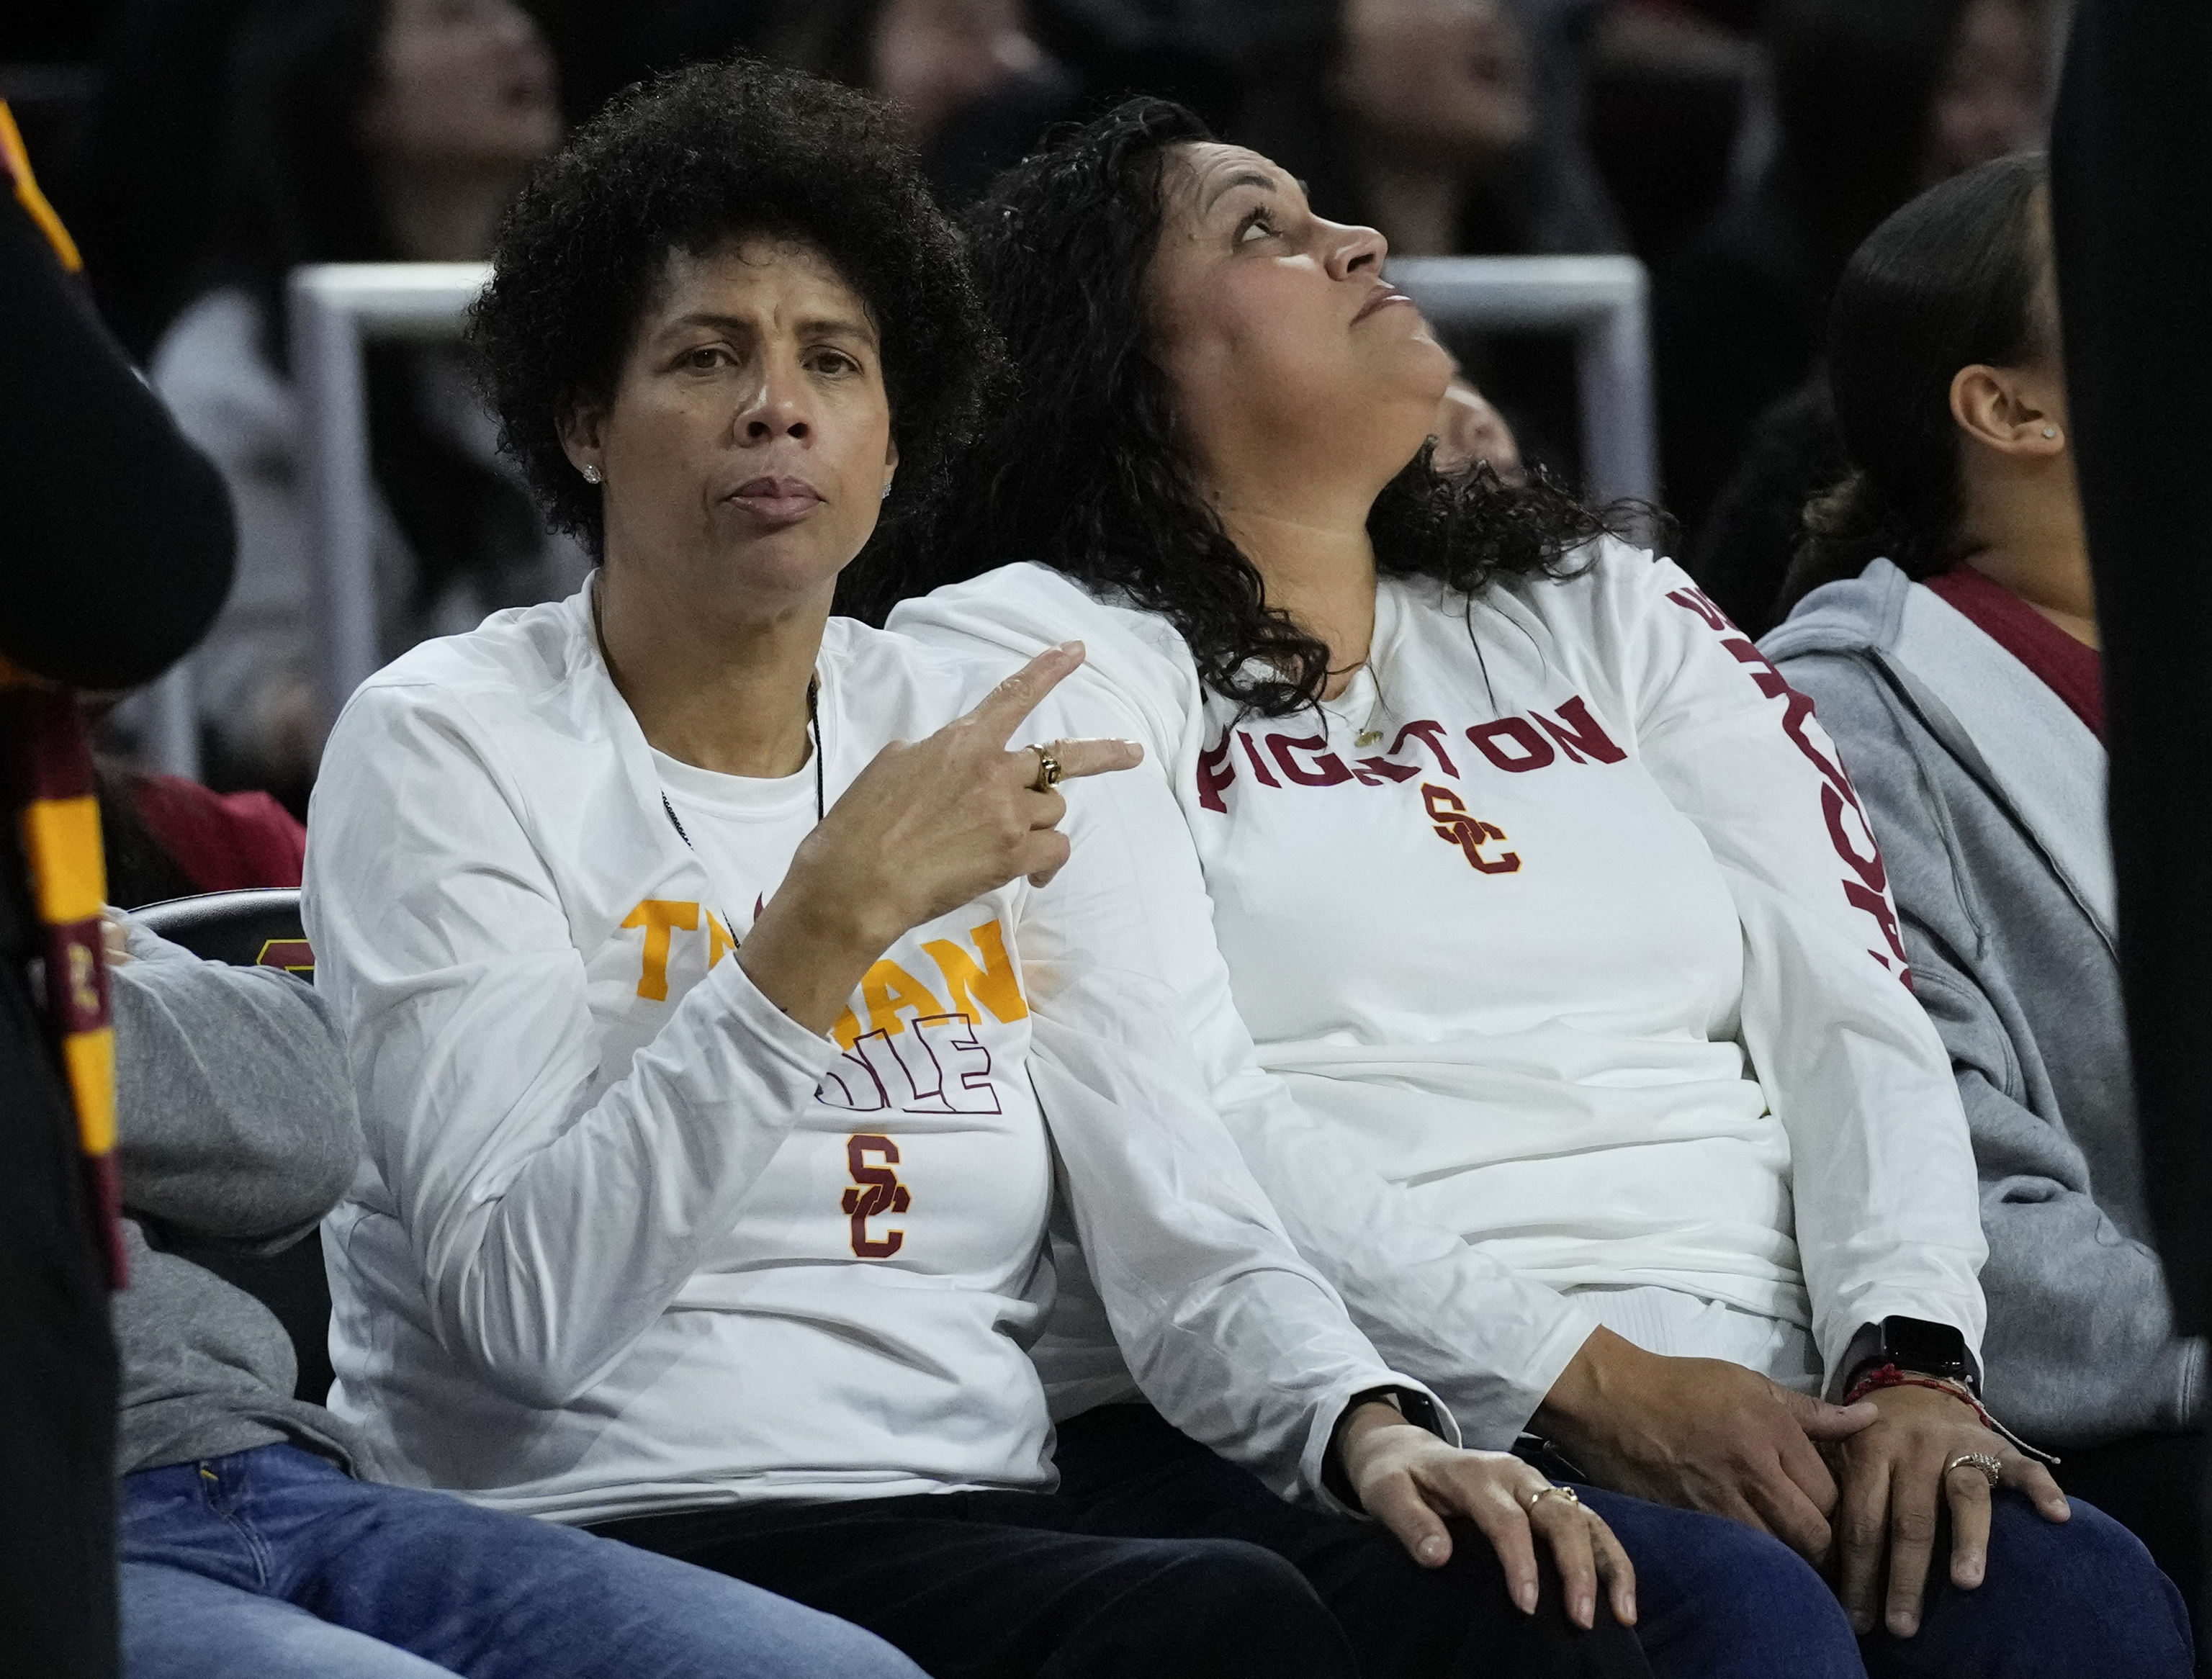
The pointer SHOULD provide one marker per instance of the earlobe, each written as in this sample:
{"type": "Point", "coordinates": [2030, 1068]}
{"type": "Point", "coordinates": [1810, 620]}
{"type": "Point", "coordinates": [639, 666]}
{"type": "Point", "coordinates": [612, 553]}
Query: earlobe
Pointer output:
{"type": "Point", "coordinates": [579, 436]}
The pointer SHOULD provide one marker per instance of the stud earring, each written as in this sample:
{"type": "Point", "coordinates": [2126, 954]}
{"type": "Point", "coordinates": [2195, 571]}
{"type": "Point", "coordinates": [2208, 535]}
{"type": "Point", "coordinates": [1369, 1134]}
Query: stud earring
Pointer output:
{"type": "Point", "coordinates": [2050, 431]}
{"type": "Point", "coordinates": [592, 475]}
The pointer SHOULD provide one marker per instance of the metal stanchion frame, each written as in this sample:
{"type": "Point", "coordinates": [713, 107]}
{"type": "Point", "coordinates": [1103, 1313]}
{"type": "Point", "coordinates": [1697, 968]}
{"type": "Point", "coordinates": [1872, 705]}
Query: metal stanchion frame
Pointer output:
{"type": "Point", "coordinates": [1602, 302]}
{"type": "Point", "coordinates": [335, 308]}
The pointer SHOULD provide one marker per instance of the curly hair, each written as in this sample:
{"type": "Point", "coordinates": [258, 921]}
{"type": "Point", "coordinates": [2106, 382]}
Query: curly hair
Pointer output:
{"type": "Point", "coordinates": [710, 154]}
{"type": "Point", "coordinates": [1961, 275]}
{"type": "Point", "coordinates": [1081, 467]}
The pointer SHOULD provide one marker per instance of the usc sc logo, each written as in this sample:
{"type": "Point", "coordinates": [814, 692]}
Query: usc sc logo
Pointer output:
{"type": "Point", "coordinates": [1455, 824]}
{"type": "Point", "coordinates": [876, 1191]}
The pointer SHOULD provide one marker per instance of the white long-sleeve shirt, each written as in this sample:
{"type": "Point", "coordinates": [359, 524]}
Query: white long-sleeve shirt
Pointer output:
{"type": "Point", "coordinates": [1570, 967]}
{"type": "Point", "coordinates": [628, 1238]}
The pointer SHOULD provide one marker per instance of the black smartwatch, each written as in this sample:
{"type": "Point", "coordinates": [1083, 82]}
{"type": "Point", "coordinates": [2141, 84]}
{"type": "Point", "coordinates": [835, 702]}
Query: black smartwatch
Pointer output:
{"type": "Point", "coordinates": [1912, 1344]}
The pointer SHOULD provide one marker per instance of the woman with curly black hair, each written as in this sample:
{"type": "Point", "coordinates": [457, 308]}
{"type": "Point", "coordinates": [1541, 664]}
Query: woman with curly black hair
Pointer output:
{"type": "Point", "coordinates": [1583, 1067]}
{"type": "Point", "coordinates": [710, 984]}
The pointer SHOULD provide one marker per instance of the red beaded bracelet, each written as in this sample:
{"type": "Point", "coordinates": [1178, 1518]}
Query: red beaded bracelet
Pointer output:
{"type": "Point", "coordinates": [1889, 1376]}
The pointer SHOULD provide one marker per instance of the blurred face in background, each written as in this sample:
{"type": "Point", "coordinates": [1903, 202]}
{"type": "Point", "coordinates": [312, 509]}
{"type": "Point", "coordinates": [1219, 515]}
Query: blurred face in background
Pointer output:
{"type": "Point", "coordinates": [1991, 99]}
{"type": "Point", "coordinates": [1438, 84]}
{"type": "Point", "coordinates": [1292, 361]}
{"type": "Point", "coordinates": [931, 57]}
{"type": "Point", "coordinates": [466, 84]}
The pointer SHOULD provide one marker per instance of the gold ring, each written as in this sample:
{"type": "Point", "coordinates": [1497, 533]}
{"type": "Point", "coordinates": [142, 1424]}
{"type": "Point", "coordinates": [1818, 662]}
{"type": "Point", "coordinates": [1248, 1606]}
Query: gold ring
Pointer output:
{"type": "Point", "coordinates": [1987, 1463]}
{"type": "Point", "coordinates": [1047, 774]}
{"type": "Point", "coordinates": [1542, 1493]}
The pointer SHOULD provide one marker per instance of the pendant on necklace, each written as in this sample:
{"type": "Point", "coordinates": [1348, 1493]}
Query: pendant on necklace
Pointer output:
{"type": "Point", "coordinates": [1368, 738]}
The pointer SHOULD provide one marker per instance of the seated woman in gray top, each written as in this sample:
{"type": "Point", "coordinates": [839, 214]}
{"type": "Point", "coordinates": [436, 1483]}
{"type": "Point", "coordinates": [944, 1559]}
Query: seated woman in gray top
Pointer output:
{"type": "Point", "coordinates": [1949, 640]}
{"type": "Point", "coordinates": [248, 1548]}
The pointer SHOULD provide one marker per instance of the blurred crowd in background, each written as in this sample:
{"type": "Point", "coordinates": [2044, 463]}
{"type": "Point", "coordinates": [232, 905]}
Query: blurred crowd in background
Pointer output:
{"type": "Point", "coordinates": [1741, 149]}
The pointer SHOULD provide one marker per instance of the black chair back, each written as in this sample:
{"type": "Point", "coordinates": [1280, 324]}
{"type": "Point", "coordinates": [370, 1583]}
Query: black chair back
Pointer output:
{"type": "Point", "coordinates": [259, 929]}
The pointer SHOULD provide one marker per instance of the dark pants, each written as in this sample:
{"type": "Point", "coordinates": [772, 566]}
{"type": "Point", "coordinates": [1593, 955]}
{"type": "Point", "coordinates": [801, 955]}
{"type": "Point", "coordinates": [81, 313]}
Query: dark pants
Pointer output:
{"type": "Point", "coordinates": [1715, 1600]}
{"type": "Point", "coordinates": [1122, 1580]}
{"type": "Point", "coordinates": [2151, 1485]}
{"type": "Point", "coordinates": [58, 1374]}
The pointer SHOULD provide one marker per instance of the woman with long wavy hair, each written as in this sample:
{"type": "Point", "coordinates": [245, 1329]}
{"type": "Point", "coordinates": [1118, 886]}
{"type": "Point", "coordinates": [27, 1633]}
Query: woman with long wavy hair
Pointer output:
{"type": "Point", "coordinates": [1586, 1062]}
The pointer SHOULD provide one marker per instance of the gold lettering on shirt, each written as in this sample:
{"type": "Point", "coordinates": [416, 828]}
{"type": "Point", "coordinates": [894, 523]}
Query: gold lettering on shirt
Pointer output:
{"type": "Point", "coordinates": [884, 990]}
{"type": "Point", "coordinates": [657, 915]}
{"type": "Point", "coordinates": [993, 985]}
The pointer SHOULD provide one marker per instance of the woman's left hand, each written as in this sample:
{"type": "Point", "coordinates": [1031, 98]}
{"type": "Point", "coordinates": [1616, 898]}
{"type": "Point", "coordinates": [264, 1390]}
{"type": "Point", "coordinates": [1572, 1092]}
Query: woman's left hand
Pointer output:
{"type": "Point", "coordinates": [1410, 1481]}
{"type": "Point", "coordinates": [1896, 1475]}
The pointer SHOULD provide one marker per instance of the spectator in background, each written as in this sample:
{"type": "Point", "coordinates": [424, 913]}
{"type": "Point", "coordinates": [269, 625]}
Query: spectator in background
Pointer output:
{"type": "Point", "coordinates": [1469, 430]}
{"type": "Point", "coordinates": [360, 131]}
{"type": "Point", "coordinates": [1950, 641]}
{"type": "Point", "coordinates": [137, 197]}
{"type": "Point", "coordinates": [165, 836]}
{"type": "Point", "coordinates": [972, 87]}
{"type": "Point", "coordinates": [1443, 138]}
{"type": "Point", "coordinates": [1742, 555]}
{"type": "Point", "coordinates": [1874, 101]}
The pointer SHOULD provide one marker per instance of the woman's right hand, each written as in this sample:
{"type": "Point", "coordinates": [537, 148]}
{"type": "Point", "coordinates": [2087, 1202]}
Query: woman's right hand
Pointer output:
{"type": "Point", "coordinates": [1410, 1481]}
{"type": "Point", "coordinates": [928, 826]}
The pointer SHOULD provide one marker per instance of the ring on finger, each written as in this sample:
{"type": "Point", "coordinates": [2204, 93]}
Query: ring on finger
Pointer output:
{"type": "Point", "coordinates": [1542, 1493]}
{"type": "Point", "coordinates": [1047, 774]}
{"type": "Point", "coordinates": [1987, 1464]}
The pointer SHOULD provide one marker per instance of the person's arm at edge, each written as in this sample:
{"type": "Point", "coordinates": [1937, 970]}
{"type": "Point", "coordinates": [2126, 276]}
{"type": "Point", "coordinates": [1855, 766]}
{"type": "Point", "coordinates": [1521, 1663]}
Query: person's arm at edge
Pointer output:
{"type": "Point", "coordinates": [234, 1113]}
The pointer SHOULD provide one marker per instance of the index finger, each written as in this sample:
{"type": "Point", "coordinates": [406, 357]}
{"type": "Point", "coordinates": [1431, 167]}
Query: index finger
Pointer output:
{"type": "Point", "coordinates": [1788, 1507]}
{"type": "Point", "coordinates": [1093, 756]}
{"type": "Point", "coordinates": [1002, 709]}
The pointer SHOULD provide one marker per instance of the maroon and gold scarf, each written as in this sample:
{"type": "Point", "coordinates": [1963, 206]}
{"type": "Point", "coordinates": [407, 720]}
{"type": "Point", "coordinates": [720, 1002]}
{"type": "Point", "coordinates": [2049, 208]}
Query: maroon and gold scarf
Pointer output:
{"type": "Point", "coordinates": [45, 780]}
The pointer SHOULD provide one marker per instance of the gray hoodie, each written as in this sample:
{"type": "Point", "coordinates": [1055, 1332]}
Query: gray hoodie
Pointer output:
{"type": "Point", "coordinates": [235, 1122]}
{"type": "Point", "coordinates": [1987, 794]}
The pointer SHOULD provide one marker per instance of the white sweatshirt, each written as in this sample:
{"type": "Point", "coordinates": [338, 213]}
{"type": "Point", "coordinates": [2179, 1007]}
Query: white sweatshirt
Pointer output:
{"type": "Point", "coordinates": [1571, 968]}
{"type": "Point", "coordinates": [628, 1238]}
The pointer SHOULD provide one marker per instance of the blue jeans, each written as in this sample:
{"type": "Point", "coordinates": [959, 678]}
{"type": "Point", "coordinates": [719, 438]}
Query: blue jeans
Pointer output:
{"type": "Point", "coordinates": [2073, 1600]}
{"type": "Point", "coordinates": [273, 1563]}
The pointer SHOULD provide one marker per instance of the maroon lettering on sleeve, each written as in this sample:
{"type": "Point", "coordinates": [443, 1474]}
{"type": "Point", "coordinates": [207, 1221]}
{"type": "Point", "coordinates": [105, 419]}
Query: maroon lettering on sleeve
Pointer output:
{"type": "Point", "coordinates": [1797, 710]}
{"type": "Point", "coordinates": [1697, 601]}
{"type": "Point", "coordinates": [1327, 768]}
{"type": "Point", "coordinates": [1266, 776]}
{"type": "Point", "coordinates": [1869, 867]}
{"type": "Point", "coordinates": [1878, 906]}
{"type": "Point", "coordinates": [1432, 733]}
{"type": "Point", "coordinates": [1534, 751]}
{"type": "Point", "coordinates": [1869, 893]}
{"type": "Point", "coordinates": [1215, 772]}
{"type": "Point", "coordinates": [1578, 733]}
